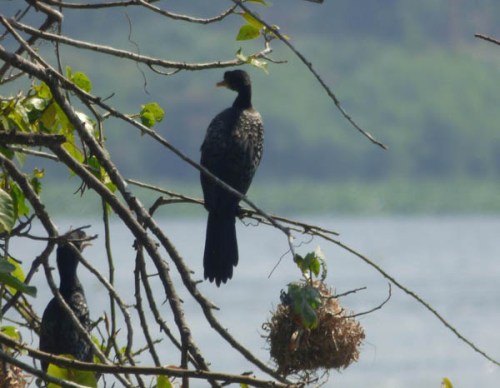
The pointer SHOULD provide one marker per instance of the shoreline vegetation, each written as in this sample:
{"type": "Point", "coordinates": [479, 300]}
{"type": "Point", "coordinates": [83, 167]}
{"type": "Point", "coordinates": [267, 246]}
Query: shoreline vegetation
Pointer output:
{"type": "Point", "coordinates": [391, 197]}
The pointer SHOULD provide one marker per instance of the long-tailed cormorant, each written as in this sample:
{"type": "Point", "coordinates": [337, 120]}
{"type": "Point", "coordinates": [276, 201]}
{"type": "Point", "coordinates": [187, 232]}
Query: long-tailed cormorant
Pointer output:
{"type": "Point", "coordinates": [232, 151]}
{"type": "Point", "coordinates": [58, 334]}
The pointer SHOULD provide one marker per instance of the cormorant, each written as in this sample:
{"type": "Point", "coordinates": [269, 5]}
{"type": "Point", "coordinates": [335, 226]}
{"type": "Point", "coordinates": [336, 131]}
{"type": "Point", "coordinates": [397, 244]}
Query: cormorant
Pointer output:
{"type": "Point", "coordinates": [58, 334]}
{"type": "Point", "coordinates": [232, 150]}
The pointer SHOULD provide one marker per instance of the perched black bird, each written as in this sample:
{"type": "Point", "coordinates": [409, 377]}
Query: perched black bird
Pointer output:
{"type": "Point", "coordinates": [58, 334]}
{"type": "Point", "coordinates": [232, 150]}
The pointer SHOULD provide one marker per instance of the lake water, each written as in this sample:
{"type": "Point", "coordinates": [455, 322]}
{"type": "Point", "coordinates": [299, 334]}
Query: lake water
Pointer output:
{"type": "Point", "coordinates": [453, 263]}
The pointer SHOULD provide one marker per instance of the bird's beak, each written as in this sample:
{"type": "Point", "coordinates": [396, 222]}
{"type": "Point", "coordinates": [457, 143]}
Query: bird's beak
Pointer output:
{"type": "Point", "coordinates": [221, 84]}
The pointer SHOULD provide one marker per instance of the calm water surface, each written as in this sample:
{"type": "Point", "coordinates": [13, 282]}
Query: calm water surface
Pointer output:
{"type": "Point", "coordinates": [453, 263]}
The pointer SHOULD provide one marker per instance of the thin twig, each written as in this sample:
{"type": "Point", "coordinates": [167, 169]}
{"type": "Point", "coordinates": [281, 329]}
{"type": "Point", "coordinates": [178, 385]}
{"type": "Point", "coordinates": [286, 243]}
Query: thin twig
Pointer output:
{"type": "Point", "coordinates": [149, 5]}
{"type": "Point", "coordinates": [376, 307]}
{"type": "Point", "coordinates": [150, 61]}
{"type": "Point", "coordinates": [142, 315]}
{"type": "Point", "coordinates": [488, 38]}
{"type": "Point", "coordinates": [297, 226]}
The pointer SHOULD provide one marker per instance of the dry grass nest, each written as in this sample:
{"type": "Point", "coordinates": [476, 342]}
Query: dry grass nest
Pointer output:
{"type": "Point", "coordinates": [333, 344]}
{"type": "Point", "coordinates": [11, 376]}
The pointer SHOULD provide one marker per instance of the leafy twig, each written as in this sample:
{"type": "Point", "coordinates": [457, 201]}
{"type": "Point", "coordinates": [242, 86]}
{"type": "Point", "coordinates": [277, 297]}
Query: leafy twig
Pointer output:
{"type": "Point", "coordinates": [309, 65]}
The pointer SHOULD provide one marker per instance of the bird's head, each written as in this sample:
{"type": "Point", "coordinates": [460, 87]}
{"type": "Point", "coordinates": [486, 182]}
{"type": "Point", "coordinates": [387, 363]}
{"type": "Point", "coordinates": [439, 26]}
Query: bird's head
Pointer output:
{"type": "Point", "coordinates": [67, 260]}
{"type": "Point", "coordinates": [235, 80]}
{"type": "Point", "coordinates": [78, 239]}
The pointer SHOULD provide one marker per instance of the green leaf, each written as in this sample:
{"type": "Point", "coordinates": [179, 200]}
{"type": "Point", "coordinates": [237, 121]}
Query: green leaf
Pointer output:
{"type": "Point", "coordinates": [69, 73]}
{"type": "Point", "coordinates": [7, 152]}
{"type": "Point", "coordinates": [74, 151]}
{"type": "Point", "coordinates": [11, 331]}
{"type": "Point", "coordinates": [82, 81]}
{"type": "Point", "coordinates": [110, 185]}
{"type": "Point", "coordinates": [35, 179]}
{"type": "Point", "coordinates": [248, 32]}
{"type": "Point", "coordinates": [313, 263]}
{"type": "Point", "coordinates": [305, 300]}
{"type": "Point", "coordinates": [7, 212]}
{"type": "Point", "coordinates": [36, 184]}
{"type": "Point", "coordinates": [17, 272]}
{"type": "Point", "coordinates": [148, 119]}
{"type": "Point", "coordinates": [19, 116]}
{"type": "Point", "coordinates": [43, 91]}
{"type": "Point", "coordinates": [49, 119]}
{"type": "Point", "coordinates": [86, 378]}
{"type": "Point", "coordinates": [163, 382]}
{"type": "Point", "coordinates": [6, 267]}
{"type": "Point", "coordinates": [151, 114]}
{"type": "Point", "coordinates": [251, 20]}
{"type": "Point", "coordinates": [259, 63]}
{"type": "Point", "coordinates": [94, 166]}
{"type": "Point", "coordinates": [446, 383]}
{"type": "Point", "coordinates": [36, 103]}
{"type": "Point", "coordinates": [100, 173]}
{"type": "Point", "coordinates": [19, 199]}
{"type": "Point", "coordinates": [11, 281]}
{"type": "Point", "coordinates": [62, 123]}
{"type": "Point", "coordinates": [242, 57]}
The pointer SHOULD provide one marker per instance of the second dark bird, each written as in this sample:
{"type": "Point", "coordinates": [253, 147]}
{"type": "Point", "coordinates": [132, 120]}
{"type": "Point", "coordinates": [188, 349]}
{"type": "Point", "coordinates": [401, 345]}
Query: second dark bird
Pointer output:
{"type": "Point", "coordinates": [232, 151]}
{"type": "Point", "coordinates": [58, 334]}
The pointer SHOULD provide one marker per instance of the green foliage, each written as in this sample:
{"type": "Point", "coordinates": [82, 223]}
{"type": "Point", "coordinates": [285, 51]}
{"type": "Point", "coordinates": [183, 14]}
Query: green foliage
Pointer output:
{"type": "Point", "coordinates": [252, 21]}
{"type": "Point", "coordinates": [80, 79]}
{"type": "Point", "coordinates": [37, 112]}
{"type": "Point", "coordinates": [12, 276]}
{"type": "Point", "coordinates": [6, 266]}
{"type": "Point", "coordinates": [12, 332]}
{"type": "Point", "coordinates": [163, 382]}
{"type": "Point", "coordinates": [253, 29]}
{"type": "Point", "coordinates": [251, 60]}
{"type": "Point", "coordinates": [312, 265]}
{"type": "Point", "coordinates": [305, 299]}
{"type": "Point", "coordinates": [151, 114]}
{"type": "Point", "coordinates": [100, 173]}
{"type": "Point", "coordinates": [446, 383]}
{"type": "Point", "coordinates": [248, 32]}
{"type": "Point", "coordinates": [85, 378]}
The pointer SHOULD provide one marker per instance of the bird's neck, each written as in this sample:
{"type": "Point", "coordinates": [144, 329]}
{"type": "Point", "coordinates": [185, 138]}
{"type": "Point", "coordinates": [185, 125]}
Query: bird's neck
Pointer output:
{"type": "Point", "coordinates": [244, 99]}
{"type": "Point", "coordinates": [69, 282]}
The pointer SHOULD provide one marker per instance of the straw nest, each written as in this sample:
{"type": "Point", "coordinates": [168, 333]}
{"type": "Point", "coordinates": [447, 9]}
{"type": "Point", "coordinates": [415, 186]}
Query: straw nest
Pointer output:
{"type": "Point", "coordinates": [11, 376]}
{"type": "Point", "coordinates": [333, 344]}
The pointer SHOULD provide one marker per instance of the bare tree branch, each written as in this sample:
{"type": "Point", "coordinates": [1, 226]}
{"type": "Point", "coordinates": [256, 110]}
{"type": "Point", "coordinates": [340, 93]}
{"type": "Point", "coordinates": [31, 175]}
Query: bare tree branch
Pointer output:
{"type": "Point", "coordinates": [488, 38]}
{"type": "Point", "coordinates": [150, 61]}
{"type": "Point", "coordinates": [147, 4]}
{"type": "Point", "coordinates": [147, 371]}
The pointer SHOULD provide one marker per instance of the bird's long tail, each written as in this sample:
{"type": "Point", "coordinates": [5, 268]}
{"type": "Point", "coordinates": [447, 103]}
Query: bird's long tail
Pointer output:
{"type": "Point", "coordinates": [221, 247]}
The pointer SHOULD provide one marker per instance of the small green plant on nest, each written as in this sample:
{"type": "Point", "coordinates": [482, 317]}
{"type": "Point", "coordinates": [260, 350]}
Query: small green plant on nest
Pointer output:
{"type": "Point", "coordinates": [309, 330]}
